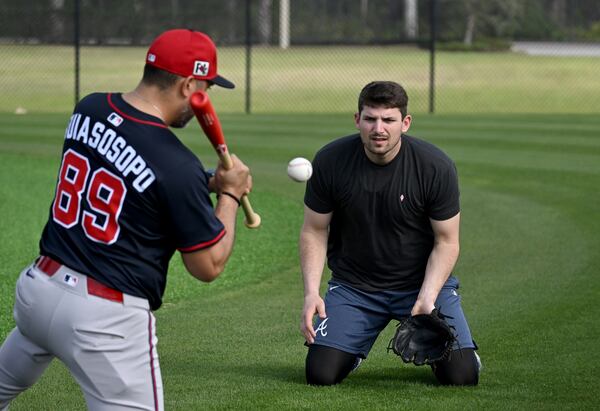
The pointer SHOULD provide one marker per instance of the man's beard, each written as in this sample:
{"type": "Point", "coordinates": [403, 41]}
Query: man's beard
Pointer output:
{"type": "Point", "coordinates": [184, 118]}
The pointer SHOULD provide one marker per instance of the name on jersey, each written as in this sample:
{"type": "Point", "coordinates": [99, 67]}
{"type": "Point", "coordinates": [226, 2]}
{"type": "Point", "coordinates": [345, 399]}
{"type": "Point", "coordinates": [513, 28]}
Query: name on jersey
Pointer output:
{"type": "Point", "coordinates": [112, 147]}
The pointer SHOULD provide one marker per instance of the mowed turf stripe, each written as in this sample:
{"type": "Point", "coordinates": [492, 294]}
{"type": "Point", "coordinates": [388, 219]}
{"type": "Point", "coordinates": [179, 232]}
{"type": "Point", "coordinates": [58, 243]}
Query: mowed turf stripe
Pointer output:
{"type": "Point", "coordinates": [269, 321]}
{"type": "Point", "coordinates": [270, 316]}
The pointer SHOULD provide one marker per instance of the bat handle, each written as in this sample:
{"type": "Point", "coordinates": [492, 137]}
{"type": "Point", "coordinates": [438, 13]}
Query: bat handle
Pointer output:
{"type": "Point", "coordinates": [225, 159]}
{"type": "Point", "coordinates": [252, 219]}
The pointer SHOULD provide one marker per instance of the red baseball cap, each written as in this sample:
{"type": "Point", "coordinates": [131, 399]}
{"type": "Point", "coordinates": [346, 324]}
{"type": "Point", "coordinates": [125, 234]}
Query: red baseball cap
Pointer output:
{"type": "Point", "coordinates": [186, 53]}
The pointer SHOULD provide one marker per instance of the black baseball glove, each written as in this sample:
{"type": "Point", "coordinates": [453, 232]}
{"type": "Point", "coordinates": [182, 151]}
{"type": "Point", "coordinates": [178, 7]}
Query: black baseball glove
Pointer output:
{"type": "Point", "coordinates": [423, 339]}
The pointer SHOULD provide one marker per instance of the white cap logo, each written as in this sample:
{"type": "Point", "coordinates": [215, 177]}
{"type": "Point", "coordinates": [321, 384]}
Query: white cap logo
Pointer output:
{"type": "Point", "coordinates": [151, 57]}
{"type": "Point", "coordinates": [201, 68]}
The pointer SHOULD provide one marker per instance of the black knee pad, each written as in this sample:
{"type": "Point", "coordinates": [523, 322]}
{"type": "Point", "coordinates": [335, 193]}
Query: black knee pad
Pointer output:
{"type": "Point", "coordinates": [327, 366]}
{"type": "Point", "coordinates": [460, 368]}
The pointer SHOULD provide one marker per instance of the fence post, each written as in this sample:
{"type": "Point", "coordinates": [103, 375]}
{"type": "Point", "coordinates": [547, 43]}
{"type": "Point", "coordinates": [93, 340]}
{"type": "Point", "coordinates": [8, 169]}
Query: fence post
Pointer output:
{"type": "Point", "coordinates": [432, 33]}
{"type": "Point", "coordinates": [284, 24]}
{"type": "Point", "coordinates": [248, 53]}
{"type": "Point", "coordinates": [76, 40]}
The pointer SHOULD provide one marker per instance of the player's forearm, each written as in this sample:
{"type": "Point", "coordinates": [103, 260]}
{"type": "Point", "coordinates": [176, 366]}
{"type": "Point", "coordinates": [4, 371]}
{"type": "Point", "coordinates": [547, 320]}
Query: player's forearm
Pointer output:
{"type": "Point", "coordinates": [313, 249]}
{"type": "Point", "coordinates": [207, 264]}
{"type": "Point", "coordinates": [441, 261]}
{"type": "Point", "coordinates": [226, 211]}
{"type": "Point", "coordinates": [213, 264]}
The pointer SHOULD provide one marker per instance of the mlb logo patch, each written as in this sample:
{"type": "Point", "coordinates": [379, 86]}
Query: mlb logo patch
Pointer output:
{"type": "Point", "coordinates": [70, 280]}
{"type": "Point", "coordinates": [115, 119]}
{"type": "Point", "coordinates": [201, 68]}
{"type": "Point", "coordinates": [151, 57]}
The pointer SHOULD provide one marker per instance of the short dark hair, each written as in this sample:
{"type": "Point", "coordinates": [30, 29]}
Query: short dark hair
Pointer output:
{"type": "Point", "coordinates": [154, 76]}
{"type": "Point", "coordinates": [383, 93]}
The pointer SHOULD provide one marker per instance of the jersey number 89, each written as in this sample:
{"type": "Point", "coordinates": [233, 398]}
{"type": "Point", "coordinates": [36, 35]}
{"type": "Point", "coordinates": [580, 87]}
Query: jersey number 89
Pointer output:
{"type": "Point", "coordinates": [105, 195]}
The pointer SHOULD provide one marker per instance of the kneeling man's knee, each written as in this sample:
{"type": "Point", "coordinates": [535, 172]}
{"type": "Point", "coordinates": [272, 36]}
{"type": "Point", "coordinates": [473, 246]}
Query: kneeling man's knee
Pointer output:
{"type": "Point", "coordinates": [460, 368]}
{"type": "Point", "coordinates": [327, 366]}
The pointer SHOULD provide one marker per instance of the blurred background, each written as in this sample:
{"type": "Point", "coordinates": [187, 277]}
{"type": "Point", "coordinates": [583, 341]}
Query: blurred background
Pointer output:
{"type": "Point", "coordinates": [314, 56]}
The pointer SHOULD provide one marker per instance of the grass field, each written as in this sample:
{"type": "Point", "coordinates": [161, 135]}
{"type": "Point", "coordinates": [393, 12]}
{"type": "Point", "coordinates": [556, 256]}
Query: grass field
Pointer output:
{"type": "Point", "coordinates": [41, 79]}
{"type": "Point", "coordinates": [528, 269]}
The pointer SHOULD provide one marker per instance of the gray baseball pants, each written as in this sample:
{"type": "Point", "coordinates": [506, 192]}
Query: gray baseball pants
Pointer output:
{"type": "Point", "coordinates": [108, 346]}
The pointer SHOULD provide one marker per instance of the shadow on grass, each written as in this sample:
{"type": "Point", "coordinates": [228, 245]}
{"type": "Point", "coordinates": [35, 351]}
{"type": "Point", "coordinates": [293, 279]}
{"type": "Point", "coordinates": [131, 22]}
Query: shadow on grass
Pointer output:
{"type": "Point", "coordinates": [372, 377]}
{"type": "Point", "coordinates": [393, 376]}
{"type": "Point", "coordinates": [285, 373]}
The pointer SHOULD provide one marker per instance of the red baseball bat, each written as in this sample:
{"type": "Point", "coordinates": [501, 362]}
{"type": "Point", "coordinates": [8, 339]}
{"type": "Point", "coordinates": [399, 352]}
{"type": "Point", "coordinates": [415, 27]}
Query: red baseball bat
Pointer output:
{"type": "Point", "coordinates": [207, 117]}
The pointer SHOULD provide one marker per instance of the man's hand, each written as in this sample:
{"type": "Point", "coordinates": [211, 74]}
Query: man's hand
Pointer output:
{"type": "Point", "coordinates": [236, 180]}
{"type": "Point", "coordinates": [212, 186]}
{"type": "Point", "coordinates": [422, 307]}
{"type": "Point", "coordinates": [313, 304]}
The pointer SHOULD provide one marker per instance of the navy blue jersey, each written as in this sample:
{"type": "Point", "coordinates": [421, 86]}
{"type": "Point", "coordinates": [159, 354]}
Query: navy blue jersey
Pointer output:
{"type": "Point", "coordinates": [380, 236]}
{"type": "Point", "coordinates": [128, 195]}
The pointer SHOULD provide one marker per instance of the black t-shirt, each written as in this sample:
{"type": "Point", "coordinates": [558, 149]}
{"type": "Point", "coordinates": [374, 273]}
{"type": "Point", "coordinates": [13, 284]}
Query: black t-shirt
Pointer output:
{"type": "Point", "coordinates": [380, 236]}
{"type": "Point", "coordinates": [128, 195]}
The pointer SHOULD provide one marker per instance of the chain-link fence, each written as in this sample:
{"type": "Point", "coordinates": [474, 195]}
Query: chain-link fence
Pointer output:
{"type": "Point", "coordinates": [315, 55]}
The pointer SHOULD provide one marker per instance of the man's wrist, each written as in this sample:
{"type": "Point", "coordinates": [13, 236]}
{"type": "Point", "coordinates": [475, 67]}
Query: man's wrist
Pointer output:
{"type": "Point", "coordinates": [308, 294]}
{"type": "Point", "coordinates": [230, 195]}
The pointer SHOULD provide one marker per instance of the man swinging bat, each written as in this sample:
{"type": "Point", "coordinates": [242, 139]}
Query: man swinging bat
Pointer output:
{"type": "Point", "coordinates": [128, 195]}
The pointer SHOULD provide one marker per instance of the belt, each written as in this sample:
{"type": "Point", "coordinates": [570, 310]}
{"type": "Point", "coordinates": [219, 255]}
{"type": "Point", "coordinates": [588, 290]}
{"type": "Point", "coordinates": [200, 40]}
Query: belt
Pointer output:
{"type": "Point", "coordinates": [48, 266]}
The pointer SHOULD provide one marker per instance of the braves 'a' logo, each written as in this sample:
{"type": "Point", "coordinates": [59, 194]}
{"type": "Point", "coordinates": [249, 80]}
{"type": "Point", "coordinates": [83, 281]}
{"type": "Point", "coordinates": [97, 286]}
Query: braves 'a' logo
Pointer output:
{"type": "Point", "coordinates": [322, 327]}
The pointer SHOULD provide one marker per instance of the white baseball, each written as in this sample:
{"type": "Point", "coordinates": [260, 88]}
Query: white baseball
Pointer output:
{"type": "Point", "coordinates": [299, 169]}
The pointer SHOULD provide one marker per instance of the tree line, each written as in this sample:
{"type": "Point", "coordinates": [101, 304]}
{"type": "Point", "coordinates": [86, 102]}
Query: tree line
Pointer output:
{"type": "Point", "coordinates": [136, 22]}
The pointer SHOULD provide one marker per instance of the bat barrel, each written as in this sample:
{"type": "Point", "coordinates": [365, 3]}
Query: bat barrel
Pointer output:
{"type": "Point", "coordinates": [207, 117]}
